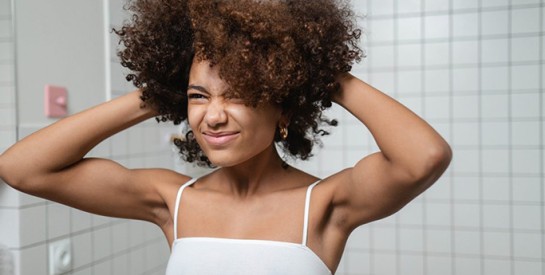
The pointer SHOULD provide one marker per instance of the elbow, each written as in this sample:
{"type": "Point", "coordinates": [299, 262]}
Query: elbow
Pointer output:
{"type": "Point", "coordinates": [10, 176]}
{"type": "Point", "coordinates": [435, 164]}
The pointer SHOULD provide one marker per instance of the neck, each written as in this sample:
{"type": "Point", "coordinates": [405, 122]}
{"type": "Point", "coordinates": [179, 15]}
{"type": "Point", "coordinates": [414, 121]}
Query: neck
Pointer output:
{"type": "Point", "coordinates": [259, 174]}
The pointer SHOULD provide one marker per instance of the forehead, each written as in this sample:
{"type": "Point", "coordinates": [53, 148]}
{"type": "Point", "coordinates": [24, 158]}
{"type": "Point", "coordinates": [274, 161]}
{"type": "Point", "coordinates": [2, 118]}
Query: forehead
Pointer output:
{"type": "Point", "coordinates": [203, 74]}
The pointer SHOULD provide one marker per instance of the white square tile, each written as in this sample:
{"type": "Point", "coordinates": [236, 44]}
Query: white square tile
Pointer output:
{"type": "Point", "coordinates": [383, 81]}
{"type": "Point", "coordinates": [33, 225]}
{"type": "Point", "coordinates": [58, 220]}
{"type": "Point", "coordinates": [495, 161]}
{"type": "Point", "coordinates": [5, 8]}
{"type": "Point", "coordinates": [527, 245]}
{"type": "Point", "coordinates": [409, 28]}
{"type": "Point", "coordinates": [525, 133]}
{"type": "Point", "coordinates": [497, 266]}
{"type": "Point", "coordinates": [9, 197]}
{"type": "Point", "coordinates": [494, 22]}
{"type": "Point", "coordinates": [494, 3]}
{"type": "Point", "coordinates": [6, 50]}
{"type": "Point", "coordinates": [496, 244]}
{"type": "Point", "coordinates": [495, 78]}
{"type": "Point", "coordinates": [467, 215]}
{"type": "Point", "coordinates": [436, 54]}
{"type": "Point", "coordinates": [524, 49]}
{"type": "Point", "coordinates": [358, 262]}
{"type": "Point", "coordinates": [6, 73]}
{"type": "Point", "coordinates": [464, 4]}
{"type": "Point", "coordinates": [80, 220]}
{"type": "Point", "coordinates": [409, 82]}
{"type": "Point", "coordinates": [384, 239]}
{"type": "Point", "coordinates": [7, 117]}
{"type": "Point", "coordinates": [102, 243]}
{"type": "Point", "coordinates": [409, 55]}
{"type": "Point", "coordinates": [495, 133]}
{"type": "Point", "coordinates": [438, 214]}
{"type": "Point", "coordinates": [465, 161]}
{"type": "Point", "coordinates": [440, 190]}
{"type": "Point", "coordinates": [465, 52]}
{"type": "Point", "coordinates": [467, 265]}
{"type": "Point", "coordinates": [467, 242]}
{"type": "Point", "coordinates": [437, 107]}
{"type": "Point", "coordinates": [438, 241]}
{"type": "Point", "coordinates": [121, 264]}
{"type": "Point", "coordinates": [33, 260]}
{"type": "Point", "coordinates": [527, 217]}
{"type": "Point", "coordinates": [5, 28]}
{"type": "Point", "coordinates": [465, 133]}
{"type": "Point", "coordinates": [85, 271]}
{"type": "Point", "coordinates": [98, 220]}
{"type": "Point", "coordinates": [381, 56]}
{"type": "Point", "coordinates": [103, 268]}
{"type": "Point", "coordinates": [409, 6]}
{"type": "Point", "coordinates": [436, 26]}
{"type": "Point", "coordinates": [528, 267]}
{"type": "Point", "coordinates": [410, 264]}
{"type": "Point", "coordinates": [413, 103]}
{"type": "Point", "coordinates": [525, 20]}
{"type": "Point", "coordinates": [382, 7]}
{"type": "Point", "coordinates": [496, 216]}
{"type": "Point", "coordinates": [359, 238]}
{"type": "Point", "coordinates": [136, 261]}
{"type": "Point", "coordinates": [466, 106]}
{"type": "Point", "coordinates": [411, 214]}
{"type": "Point", "coordinates": [465, 25]}
{"type": "Point", "coordinates": [494, 106]}
{"type": "Point", "coordinates": [436, 81]}
{"type": "Point", "coordinates": [496, 189]}
{"type": "Point", "coordinates": [525, 105]}
{"type": "Point", "coordinates": [436, 5]}
{"type": "Point", "coordinates": [525, 77]}
{"type": "Point", "coordinates": [494, 50]}
{"type": "Point", "coordinates": [82, 248]}
{"type": "Point", "coordinates": [527, 189]}
{"type": "Point", "coordinates": [10, 235]}
{"type": "Point", "coordinates": [411, 239]}
{"type": "Point", "coordinates": [7, 95]}
{"type": "Point", "coordinates": [381, 30]}
{"type": "Point", "coordinates": [382, 263]}
{"type": "Point", "coordinates": [439, 265]}
{"type": "Point", "coordinates": [466, 188]}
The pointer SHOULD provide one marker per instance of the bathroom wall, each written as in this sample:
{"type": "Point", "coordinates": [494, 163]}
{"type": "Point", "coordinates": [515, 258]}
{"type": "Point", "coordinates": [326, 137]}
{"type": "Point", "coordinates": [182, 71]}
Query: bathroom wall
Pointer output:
{"type": "Point", "coordinates": [474, 71]}
{"type": "Point", "coordinates": [68, 43]}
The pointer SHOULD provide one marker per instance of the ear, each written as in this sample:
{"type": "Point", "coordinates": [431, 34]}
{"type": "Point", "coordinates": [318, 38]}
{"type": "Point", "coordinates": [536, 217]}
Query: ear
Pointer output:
{"type": "Point", "coordinates": [285, 119]}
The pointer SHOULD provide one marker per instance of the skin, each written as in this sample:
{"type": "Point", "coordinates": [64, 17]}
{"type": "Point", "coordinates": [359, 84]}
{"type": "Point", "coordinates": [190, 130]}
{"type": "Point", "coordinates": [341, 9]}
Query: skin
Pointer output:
{"type": "Point", "coordinates": [253, 196]}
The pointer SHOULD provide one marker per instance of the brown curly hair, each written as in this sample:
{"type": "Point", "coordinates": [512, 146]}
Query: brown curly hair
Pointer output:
{"type": "Point", "coordinates": [285, 52]}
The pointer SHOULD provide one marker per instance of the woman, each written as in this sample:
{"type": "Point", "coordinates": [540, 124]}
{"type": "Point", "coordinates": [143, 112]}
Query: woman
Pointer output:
{"type": "Point", "coordinates": [245, 75]}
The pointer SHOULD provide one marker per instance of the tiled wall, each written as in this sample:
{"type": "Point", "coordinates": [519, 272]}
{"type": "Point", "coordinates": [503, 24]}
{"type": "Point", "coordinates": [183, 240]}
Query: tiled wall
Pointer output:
{"type": "Point", "coordinates": [28, 224]}
{"type": "Point", "coordinates": [8, 200]}
{"type": "Point", "coordinates": [474, 70]}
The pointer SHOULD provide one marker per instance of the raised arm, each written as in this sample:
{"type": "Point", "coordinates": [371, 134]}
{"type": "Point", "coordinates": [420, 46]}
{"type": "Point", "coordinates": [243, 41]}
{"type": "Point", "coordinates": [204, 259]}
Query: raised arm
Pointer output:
{"type": "Point", "coordinates": [50, 163]}
{"type": "Point", "coordinates": [412, 156]}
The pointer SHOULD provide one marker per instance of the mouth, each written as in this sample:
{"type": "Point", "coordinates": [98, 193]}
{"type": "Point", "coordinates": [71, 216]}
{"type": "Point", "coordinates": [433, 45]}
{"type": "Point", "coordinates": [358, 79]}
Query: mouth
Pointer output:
{"type": "Point", "coordinates": [219, 138]}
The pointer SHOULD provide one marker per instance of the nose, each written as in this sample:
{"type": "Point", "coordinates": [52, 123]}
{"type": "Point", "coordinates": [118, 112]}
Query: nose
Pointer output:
{"type": "Point", "coordinates": [215, 114]}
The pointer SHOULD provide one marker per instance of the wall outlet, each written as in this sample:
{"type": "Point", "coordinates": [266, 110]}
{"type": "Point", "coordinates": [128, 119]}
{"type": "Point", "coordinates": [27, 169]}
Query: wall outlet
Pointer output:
{"type": "Point", "coordinates": [60, 257]}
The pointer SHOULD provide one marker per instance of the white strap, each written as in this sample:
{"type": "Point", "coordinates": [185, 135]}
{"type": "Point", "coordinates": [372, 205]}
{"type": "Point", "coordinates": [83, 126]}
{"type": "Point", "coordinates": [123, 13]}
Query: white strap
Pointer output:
{"type": "Point", "coordinates": [307, 206]}
{"type": "Point", "coordinates": [178, 198]}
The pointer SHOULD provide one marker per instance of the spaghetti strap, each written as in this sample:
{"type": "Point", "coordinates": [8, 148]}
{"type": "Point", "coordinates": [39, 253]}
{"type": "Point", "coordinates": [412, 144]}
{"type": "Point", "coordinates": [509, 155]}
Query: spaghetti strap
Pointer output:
{"type": "Point", "coordinates": [307, 206]}
{"type": "Point", "coordinates": [178, 198]}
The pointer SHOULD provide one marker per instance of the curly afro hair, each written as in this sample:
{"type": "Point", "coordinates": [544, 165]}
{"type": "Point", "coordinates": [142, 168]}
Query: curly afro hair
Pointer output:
{"type": "Point", "coordinates": [285, 52]}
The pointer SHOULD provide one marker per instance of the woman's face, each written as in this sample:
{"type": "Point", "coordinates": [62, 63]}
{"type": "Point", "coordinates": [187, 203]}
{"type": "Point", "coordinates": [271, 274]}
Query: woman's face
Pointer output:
{"type": "Point", "coordinates": [228, 131]}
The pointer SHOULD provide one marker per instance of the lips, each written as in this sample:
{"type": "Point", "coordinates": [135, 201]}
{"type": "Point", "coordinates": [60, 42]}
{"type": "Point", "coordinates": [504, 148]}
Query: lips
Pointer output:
{"type": "Point", "coordinates": [219, 138]}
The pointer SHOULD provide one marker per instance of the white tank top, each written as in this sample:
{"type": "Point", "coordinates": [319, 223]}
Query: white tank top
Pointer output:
{"type": "Point", "coordinates": [210, 256]}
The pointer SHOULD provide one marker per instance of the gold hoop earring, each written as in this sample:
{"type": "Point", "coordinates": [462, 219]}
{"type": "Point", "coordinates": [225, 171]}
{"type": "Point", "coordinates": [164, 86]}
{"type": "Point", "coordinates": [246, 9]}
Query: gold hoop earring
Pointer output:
{"type": "Point", "coordinates": [284, 132]}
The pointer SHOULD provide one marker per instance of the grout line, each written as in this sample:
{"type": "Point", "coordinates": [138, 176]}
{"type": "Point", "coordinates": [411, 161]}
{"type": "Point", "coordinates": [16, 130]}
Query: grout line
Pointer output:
{"type": "Point", "coordinates": [480, 144]}
{"type": "Point", "coordinates": [510, 136]}
{"type": "Point", "coordinates": [451, 131]}
{"type": "Point", "coordinates": [541, 137]}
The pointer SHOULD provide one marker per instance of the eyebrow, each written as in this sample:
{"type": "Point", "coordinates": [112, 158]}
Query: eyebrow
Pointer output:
{"type": "Point", "coordinates": [198, 88]}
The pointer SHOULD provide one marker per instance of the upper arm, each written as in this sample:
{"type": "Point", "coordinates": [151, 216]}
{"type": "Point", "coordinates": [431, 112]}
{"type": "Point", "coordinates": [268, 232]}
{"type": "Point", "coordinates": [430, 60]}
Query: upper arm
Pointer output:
{"type": "Point", "coordinates": [106, 188]}
{"type": "Point", "coordinates": [375, 188]}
